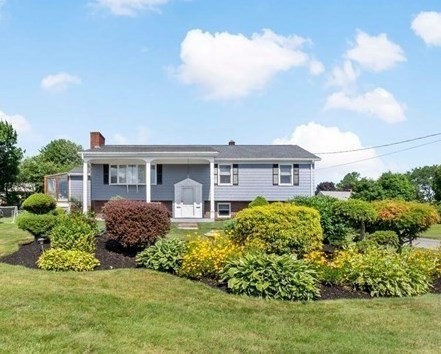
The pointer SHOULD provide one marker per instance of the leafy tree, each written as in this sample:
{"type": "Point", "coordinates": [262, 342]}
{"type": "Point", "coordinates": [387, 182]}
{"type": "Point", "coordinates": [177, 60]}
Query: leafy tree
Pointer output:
{"type": "Point", "coordinates": [368, 189]}
{"type": "Point", "coordinates": [325, 186]}
{"type": "Point", "coordinates": [58, 156]}
{"type": "Point", "coordinates": [397, 186]}
{"type": "Point", "coordinates": [33, 169]}
{"type": "Point", "coordinates": [407, 219]}
{"type": "Point", "coordinates": [437, 184]}
{"type": "Point", "coordinates": [63, 153]}
{"type": "Point", "coordinates": [423, 178]}
{"type": "Point", "coordinates": [349, 182]}
{"type": "Point", "coordinates": [10, 156]}
{"type": "Point", "coordinates": [357, 213]}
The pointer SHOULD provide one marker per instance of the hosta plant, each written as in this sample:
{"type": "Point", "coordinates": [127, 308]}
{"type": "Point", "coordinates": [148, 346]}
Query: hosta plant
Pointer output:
{"type": "Point", "coordinates": [271, 276]}
{"type": "Point", "coordinates": [165, 255]}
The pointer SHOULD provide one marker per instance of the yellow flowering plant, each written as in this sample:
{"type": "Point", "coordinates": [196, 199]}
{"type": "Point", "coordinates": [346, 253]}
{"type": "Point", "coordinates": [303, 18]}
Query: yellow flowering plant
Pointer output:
{"type": "Point", "coordinates": [206, 256]}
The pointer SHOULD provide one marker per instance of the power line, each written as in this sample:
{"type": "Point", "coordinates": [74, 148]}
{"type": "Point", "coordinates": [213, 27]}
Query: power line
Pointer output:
{"type": "Point", "coordinates": [378, 146]}
{"type": "Point", "coordinates": [378, 156]}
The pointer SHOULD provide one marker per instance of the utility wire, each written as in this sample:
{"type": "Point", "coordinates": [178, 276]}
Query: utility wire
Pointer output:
{"type": "Point", "coordinates": [378, 156]}
{"type": "Point", "coordinates": [377, 146]}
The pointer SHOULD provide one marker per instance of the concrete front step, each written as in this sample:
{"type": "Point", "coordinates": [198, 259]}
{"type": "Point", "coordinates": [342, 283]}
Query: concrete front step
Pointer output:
{"type": "Point", "coordinates": [187, 226]}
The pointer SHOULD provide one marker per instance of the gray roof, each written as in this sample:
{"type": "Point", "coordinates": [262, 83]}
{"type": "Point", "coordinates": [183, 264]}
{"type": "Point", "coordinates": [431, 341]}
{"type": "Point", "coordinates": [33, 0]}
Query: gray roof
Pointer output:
{"type": "Point", "coordinates": [220, 151]}
{"type": "Point", "coordinates": [341, 195]}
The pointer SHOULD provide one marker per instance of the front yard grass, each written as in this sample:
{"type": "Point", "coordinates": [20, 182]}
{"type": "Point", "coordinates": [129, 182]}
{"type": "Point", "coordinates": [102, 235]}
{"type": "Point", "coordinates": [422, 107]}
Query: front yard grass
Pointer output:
{"type": "Point", "coordinates": [203, 228]}
{"type": "Point", "coordinates": [141, 311]}
{"type": "Point", "coordinates": [434, 232]}
{"type": "Point", "coordinates": [11, 237]}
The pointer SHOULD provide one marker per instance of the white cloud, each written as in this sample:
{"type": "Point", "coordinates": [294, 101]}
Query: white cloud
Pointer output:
{"type": "Point", "coordinates": [344, 76]}
{"type": "Point", "coordinates": [129, 7]}
{"type": "Point", "coordinates": [378, 103]}
{"type": "Point", "coordinates": [318, 138]}
{"type": "Point", "coordinates": [316, 67]}
{"type": "Point", "coordinates": [376, 53]}
{"type": "Point", "coordinates": [228, 65]}
{"type": "Point", "coordinates": [59, 82]}
{"type": "Point", "coordinates": [18, 122]}
{"type": "Point", "coordinates": [427, 25]}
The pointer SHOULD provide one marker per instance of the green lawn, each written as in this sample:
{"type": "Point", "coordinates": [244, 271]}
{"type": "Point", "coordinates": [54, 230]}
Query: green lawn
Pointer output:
{"type": "Point", "coordinates": [203, 228]}
{"type": "Point", "coordinates": [434, 232]}
{"type": "Point", "coordinates": [11, 237]}
{"type": "Point", "coordinates": [141, 311]}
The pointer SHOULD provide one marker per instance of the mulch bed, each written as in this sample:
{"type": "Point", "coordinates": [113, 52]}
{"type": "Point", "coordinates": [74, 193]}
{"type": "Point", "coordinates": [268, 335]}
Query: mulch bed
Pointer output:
{"type": "Point", "coordinates": [112, 256]}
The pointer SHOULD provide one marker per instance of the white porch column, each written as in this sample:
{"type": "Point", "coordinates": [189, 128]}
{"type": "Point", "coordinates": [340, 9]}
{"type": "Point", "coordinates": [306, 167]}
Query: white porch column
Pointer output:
{"type": "Point", "coordinates": [85, 187]}
{"type": "Point", "coordinates": [212, 209]}
{"type": "Point", "coordinates": [148, 182]}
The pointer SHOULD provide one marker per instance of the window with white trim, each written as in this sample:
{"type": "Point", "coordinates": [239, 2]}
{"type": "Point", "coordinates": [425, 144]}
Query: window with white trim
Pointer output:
{"type": "Point", "coordinates": [285, 175]}
{"type": "Point", "coordinates": [130, 174]}
{"type": "Point", "coordinates": [224, 174]}
{"type": "Point", "coordinates": [223, 210]}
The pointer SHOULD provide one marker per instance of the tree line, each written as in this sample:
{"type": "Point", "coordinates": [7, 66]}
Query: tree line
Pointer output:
{"type": "Point", "coordinates": [21, 176]}
{"type": "Point", "coordinates": [419, 184]}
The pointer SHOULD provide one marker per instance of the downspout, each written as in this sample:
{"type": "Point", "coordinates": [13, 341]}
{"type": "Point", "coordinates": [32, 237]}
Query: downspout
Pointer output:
{"type": "Point", "coordinates": [311, 179]}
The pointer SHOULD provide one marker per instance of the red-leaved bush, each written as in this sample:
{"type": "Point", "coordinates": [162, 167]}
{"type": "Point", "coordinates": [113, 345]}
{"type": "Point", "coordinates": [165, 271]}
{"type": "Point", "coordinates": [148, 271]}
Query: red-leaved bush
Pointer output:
{"type": "Point", "coordinates": [136, 223]}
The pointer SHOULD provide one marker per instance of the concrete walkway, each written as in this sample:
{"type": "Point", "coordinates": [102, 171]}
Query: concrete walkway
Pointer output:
{"type": "Point", "coordinates": [427, 243]}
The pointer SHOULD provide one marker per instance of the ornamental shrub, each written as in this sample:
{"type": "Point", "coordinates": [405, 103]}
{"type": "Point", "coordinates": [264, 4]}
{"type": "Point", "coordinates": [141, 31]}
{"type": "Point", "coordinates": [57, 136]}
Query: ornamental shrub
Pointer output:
{"type": "Point", "coordinates": [75, 232]}
{"type": "Point", "coordinates": [335, 230]}
{"type": "Point", "coordinates": [136, 223]}
{"type": "Point", "coordinates": [62, 260]}
{"type": "Point", "coordinates": [206, 256]}
{"type": "Point", "coordinates": [39, 203]}
{"type": "Point", "coordinates": [258, 201]}
{"type": "Point", "coordinates": [380, 272]}
{"type": "Point", "coordinates": [281, 227]}
{"type": "Point", "coordinates": [165, 255]}
{"type": "Point", "coordinates": [356, 212]}
{"type": "Point", "coordinates": [384, 239]}
{"type": "Point", "coordinates": [39, 225]}
{"type": "Point", "coordinates": [271, 276]}
{"type": "Point", "coordinates": [407, 219]}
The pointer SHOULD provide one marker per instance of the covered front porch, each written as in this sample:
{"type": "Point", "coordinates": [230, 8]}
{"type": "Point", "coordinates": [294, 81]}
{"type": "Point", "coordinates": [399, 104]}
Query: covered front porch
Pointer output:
{"type": "Point", "coordinates": [184, 183]}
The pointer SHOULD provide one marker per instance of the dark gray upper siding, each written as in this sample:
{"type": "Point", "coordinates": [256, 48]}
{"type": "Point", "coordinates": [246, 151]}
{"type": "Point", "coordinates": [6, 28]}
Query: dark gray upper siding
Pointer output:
{"type": "Point", "coordinates": [254, 180]}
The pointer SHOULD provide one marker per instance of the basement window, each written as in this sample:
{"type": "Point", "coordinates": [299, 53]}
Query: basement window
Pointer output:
{"type": "Point", "coordinates": [224, 210]}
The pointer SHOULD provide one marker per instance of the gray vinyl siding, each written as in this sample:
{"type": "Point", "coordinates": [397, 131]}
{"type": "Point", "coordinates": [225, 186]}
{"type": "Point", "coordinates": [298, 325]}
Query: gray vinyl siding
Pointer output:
{"type": "Point", "coordinates": [171, 174]}
{"type": "Point", "coordinates": [257, 179]}
{"type": "Point", "coordinates": [76, 187]}
{"type": "Point", "coordinates": [254, 180]}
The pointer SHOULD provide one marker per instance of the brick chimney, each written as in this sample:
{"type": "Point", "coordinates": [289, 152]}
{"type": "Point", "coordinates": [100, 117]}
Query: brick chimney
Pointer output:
{"type": "Point", "coordinates": [231, 142]}
{"type": "Point", "coordinates": [96, 140]}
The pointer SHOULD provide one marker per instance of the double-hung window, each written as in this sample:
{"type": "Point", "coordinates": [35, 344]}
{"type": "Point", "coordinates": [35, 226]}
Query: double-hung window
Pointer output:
{"type": "Point", "coordinates": [225, 173]}
{"type": "Point", "coordinates": [130, 174]}
{"type": "Point", "coordinates": [285, 175]}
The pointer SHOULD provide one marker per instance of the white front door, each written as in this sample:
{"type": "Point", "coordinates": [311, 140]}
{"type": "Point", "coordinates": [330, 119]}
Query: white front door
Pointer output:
{"type": "Point", "coordinates": [188, 199]}
{"type": "Point", "coordinates": [188, 202]}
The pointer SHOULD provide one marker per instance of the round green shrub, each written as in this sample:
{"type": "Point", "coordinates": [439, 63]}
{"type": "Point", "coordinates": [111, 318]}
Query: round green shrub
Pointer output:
{"type": "Point", "coordinates": [39, 203]}
{"type": "Point", "coordinates": [335, 230]}
{"type": "Point", "coordinates": [75, 232]}
{"type": "Point", "coordinates": [384, 238]}
{"type": "Point", "coordinates": [39, 225]}
{"type": "Point", "coordinates": [258, 201]}
{"type": "Point", "coordinates": [271, 276]}
{"type": "Point", "coordinates": [63, 260]}
{"type": "Point", "coordinates": [136, 223]}
{"type": "Point", "coordinates": [165, 255]}
{"type": "Point", "coordinates": [280, 228]}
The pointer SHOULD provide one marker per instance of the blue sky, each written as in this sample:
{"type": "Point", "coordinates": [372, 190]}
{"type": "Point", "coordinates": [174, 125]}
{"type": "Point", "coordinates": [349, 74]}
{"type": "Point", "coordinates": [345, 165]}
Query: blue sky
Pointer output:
{"type": "Point", "coordinates": [326, 75]}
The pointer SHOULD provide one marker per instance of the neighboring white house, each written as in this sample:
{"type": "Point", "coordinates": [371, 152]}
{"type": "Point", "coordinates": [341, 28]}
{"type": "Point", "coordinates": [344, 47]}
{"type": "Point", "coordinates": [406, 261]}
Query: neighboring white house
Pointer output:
{"type": "Point", "coordinates": [341, 195]}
